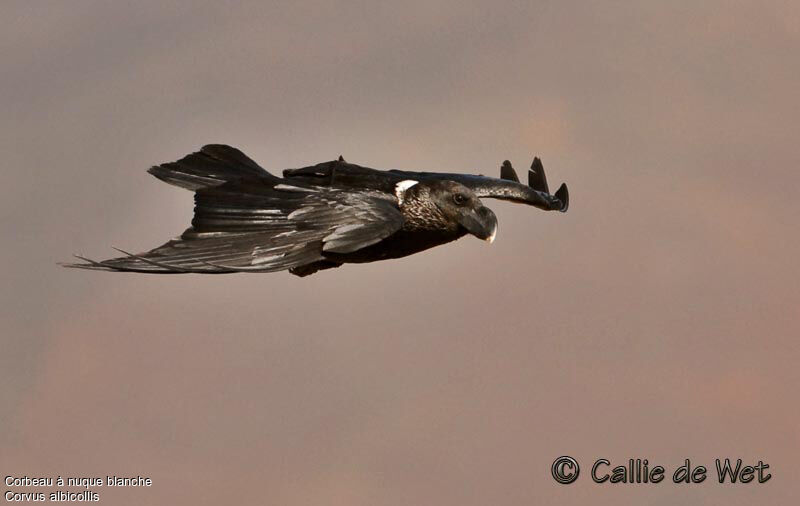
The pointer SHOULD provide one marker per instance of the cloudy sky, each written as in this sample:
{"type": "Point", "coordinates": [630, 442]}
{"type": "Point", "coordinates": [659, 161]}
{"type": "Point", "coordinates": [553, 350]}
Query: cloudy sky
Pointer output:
{"type": "Point", "coordinates": [657, 319]}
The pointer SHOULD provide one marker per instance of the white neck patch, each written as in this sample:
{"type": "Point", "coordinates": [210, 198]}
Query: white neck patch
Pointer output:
{"type": "Point", "coordinates": [401, 187]}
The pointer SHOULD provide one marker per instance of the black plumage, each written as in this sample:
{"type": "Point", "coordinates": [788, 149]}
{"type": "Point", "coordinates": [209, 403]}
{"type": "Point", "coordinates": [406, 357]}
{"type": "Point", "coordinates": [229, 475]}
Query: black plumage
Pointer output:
{"type": "Point", "coordinates": [319, 217]}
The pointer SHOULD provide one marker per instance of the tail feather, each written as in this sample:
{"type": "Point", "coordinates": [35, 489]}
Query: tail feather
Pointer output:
{"type": "Point", "coordinates": [213, 165]}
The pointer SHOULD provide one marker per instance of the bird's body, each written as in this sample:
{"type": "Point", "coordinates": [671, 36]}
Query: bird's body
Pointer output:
{"type": "Point", "coordinates": [319, 217]}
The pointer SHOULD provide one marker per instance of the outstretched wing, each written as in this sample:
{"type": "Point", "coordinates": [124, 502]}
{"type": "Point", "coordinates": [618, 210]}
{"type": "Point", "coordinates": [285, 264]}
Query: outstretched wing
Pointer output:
{"type": "Point", "coordinates": [340, 174]}
{"type": "Point", "coordinates": [508, 187]}
{"type": "Point", "coordinates": [254, 227]}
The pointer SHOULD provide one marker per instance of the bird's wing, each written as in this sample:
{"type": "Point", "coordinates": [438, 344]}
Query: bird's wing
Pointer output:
{"type": "Point", "coordinates": [239, 228]}
{"type": "Point", "coordinates": [536, 193]}
{"type": "Point", "coordinates": [340, 174]}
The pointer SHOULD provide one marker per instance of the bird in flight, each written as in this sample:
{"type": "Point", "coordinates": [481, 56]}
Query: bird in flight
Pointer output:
{"type": "Point", "coordinates": [322, 216]}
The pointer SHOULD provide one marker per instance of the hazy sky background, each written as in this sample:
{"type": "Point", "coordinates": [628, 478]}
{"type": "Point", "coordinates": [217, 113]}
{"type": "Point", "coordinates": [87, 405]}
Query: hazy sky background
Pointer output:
{"type": "Point", "coordinates": [657, 319]}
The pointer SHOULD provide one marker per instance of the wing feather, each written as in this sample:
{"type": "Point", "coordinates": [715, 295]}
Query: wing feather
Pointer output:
{"type": "Point", "coordinates": [244, 228]}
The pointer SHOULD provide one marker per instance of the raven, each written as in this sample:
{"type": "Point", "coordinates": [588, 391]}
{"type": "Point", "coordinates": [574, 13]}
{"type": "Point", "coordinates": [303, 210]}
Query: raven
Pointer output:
{"type": "Point", "coordinates": [323, 216]}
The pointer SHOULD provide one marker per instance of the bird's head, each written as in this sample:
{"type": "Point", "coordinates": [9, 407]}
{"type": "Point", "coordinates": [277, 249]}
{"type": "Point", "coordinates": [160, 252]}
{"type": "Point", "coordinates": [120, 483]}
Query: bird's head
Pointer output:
{"type": "Point", "coordinates": [455, 205]}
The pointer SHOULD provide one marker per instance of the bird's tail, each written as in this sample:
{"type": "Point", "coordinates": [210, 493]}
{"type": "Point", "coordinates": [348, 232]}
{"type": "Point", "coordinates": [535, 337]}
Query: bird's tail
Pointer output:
{"type": "Point", "coordinates": [228, 227]}
{"type": "Point", "coordinates": [213, 165]}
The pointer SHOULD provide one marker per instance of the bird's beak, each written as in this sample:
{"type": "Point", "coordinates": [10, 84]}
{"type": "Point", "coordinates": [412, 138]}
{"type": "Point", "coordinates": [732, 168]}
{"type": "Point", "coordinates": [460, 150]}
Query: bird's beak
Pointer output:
{"type": "Point", "coordinates": [480, 222]}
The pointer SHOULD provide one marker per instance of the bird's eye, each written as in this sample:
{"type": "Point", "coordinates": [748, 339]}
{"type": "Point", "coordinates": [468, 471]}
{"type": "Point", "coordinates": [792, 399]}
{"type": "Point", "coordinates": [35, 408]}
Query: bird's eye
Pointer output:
{"type": "Point", "coordinates": [459, 199]}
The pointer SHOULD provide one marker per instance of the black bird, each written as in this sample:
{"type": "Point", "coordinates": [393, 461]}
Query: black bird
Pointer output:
{"type": "Point", "coordinates": [319, 217]}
